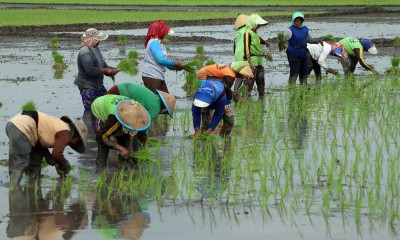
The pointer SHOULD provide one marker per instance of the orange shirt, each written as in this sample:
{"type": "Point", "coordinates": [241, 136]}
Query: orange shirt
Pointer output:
{"type": "Point", "coordinates": [215, 71]}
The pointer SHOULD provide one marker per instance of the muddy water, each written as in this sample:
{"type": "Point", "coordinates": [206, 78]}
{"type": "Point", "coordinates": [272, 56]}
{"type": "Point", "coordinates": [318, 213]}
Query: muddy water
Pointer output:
{"type": "Point", "coordinates": [26, 74]}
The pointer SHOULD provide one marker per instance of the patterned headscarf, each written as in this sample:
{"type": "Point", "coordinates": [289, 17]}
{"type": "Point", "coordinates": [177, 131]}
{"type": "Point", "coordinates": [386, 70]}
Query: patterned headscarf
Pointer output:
{"type": "Point", "coordinates": [157, 29]}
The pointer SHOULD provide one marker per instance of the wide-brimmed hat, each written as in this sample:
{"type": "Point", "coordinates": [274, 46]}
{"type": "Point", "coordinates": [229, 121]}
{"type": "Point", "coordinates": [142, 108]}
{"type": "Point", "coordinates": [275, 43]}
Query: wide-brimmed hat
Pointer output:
{"type": "Point", "coordinates": [255, 20]}
{"type": "Point", "coordinates": [240, 21]}
{"type": "Point", "coordinates": [94, 33]}
{"type": "Point", "coordinates": [132, 115]}
{"type": "Point", "coordinates": [168, 100]}
{"type": "Point", "coordinates": [369, 46]}
{"type": "Point", "coordinates": [80, 147]}
{"type": "Point", "coordinates": [243, 68]}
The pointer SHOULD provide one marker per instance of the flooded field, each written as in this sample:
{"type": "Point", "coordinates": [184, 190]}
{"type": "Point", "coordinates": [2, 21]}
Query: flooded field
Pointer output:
{"type": "Point", "coordinates": [320, 163]}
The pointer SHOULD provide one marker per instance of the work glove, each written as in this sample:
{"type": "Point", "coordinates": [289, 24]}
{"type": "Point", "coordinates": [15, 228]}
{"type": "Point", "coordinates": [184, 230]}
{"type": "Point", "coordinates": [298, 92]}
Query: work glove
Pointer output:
{"type": "Point", "coordinates": [178, 66]}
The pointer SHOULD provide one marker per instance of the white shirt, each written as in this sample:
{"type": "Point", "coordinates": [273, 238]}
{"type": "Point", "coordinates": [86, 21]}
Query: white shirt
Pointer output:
{"type": "Point", "coordinates": [320, 53]}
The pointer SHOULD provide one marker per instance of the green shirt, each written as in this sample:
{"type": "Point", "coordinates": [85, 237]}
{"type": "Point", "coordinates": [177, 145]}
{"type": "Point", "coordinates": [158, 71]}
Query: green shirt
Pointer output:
{"type": "Point", "coordinates": [253, 48]}
{"type": "Point", "coordinates": [104, 106]}
{"type": "Point", "coordinates": [239, 44]}
{"type": "Point", "coordinates": [350, 44]}
{"type": "Point", "coordinates": [143, 95]}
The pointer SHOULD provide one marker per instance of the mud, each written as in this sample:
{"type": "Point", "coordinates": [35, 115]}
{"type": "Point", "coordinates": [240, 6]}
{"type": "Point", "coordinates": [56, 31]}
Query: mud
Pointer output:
{"type": "Point", "coordinates": [26, 74]}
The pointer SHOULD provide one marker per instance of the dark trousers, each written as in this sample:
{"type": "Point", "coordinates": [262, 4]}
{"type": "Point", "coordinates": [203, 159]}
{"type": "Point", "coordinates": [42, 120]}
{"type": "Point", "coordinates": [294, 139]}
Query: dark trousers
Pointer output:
{"type": "Point", "coordinates": [155, 84]}
{"type": "Point", "coordinates": [298, 68]}
{"type": "Point", "coordinates": [313, 65]}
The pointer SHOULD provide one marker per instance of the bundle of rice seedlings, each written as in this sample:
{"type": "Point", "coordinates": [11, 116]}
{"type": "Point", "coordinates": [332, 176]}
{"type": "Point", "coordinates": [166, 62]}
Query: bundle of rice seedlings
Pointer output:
{"type": "Point", "coordinates": [330, 38]}
{"type": "Point", "coordinates": [397, 41]}
{"type": "Point", "coordinates": [59, 63]}
{"type": "Point", "coordinates": [127, 67]}
{"type": "Point", "coordinates": [143, 155]}
{"type": "Point", "coordinates": [268, 56]}
{"type": "Point", "coordinates": [121, 39]}
{"type": "Point", "coordinates": [209, 62]}
{"type": "Point", "coordinates": [29, 106]}
{"type": "Point", "coordinates": [54, 42]}
{"type": "Point", "coordinates": [395, 61]}
{"type": "Point", "coordinates": [133, 55]}
{"type": "Point", "coordinates": [281, 41]}
{"type": "Point", "coordinates": [191, 66]}
{"type": "Point", "coordinates": [395, 66]}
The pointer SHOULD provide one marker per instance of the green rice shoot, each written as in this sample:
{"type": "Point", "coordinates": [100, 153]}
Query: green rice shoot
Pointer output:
{"type": "Point", "coordinates": [127, 67]}
{"type": "Point", "coordinates": [59, 63]}
{"type": "Point", "coordinates": [281, 41]}
{"type": "Point", "coordinates": [29, 106]}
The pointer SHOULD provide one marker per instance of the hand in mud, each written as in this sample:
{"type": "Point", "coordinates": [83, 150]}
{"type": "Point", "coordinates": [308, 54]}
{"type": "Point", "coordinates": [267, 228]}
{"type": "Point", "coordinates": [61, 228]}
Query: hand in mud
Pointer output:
{"type": "Point", "coordinates": [208, 132]}
{"type": "Point", "coordinates": [123, 151]}
{"type": "Point", "coordinates": [196, 133]}
{"type": "Point", "coordinates": [178, 66]}
{"type": "Point", "coordinates": [63, 168]}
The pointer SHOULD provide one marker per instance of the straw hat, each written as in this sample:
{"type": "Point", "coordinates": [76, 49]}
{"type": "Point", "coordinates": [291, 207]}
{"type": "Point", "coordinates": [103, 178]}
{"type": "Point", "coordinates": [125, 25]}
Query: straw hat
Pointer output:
{"type": "Point", "coordinates": [132, 115]}
{"type": "Point", "coordinates": [94, 33]}
{"type": "Point", "coordinates": [168, 100]}
{"type": "Point", "coordinates": [80, 147]}
{"type": "Point", "coordinates": [243, 68]}
{"type": "Point", "coordinates": [240, 21]}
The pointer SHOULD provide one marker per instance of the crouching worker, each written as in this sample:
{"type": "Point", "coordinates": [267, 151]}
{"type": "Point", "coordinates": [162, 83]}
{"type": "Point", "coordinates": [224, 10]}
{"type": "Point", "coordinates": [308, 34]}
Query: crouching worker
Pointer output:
{"type": "Point", "coordinates": [160, 103]}
{"type": "Point", "coordinates": [120, 118]}
{"type": "Point", "coordinates": [211, 95]}
{"type": "Point", "coordinates": [32, 133]}
{"type": "Point", "coordinates": [226, 74]}
{"type": "Point", "coordinates": [318, 55]}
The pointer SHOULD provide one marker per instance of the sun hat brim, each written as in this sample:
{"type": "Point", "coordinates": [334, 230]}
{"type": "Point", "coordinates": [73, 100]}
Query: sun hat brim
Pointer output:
{"type": "Point", "coordinates": [81, 146]}
{"type": "Point", "coordinates": [124, 123]}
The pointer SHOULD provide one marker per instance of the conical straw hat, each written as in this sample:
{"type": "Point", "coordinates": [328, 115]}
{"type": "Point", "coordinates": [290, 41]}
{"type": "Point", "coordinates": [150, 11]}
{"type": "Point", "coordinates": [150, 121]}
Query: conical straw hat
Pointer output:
{"type": "Point", "coordinates": [168, 100]}
{"type": "Point", "coordinates": [240, 21]}
{"type": "Point", "coordinates": [132, 115]}
{"type": "Point", "coordinates": [82, 131]}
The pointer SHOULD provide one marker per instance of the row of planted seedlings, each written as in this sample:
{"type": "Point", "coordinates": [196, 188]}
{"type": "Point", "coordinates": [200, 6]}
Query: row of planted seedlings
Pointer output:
{"type": "Point", "coordinates": [329, 149]}
{"type": "Point", "coordinates": [344, 162]}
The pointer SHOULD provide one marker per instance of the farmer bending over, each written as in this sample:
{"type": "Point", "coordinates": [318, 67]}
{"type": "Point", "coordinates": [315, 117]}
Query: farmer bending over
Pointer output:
{"type": "Point", "coordinates": [354, 54]}
{"type": "Point", "coordinates": [121, 118]}
{"type": "Point", "coordinates": [160, 103]}
{"type": "Point", "coordinates": [211, 95]}
{"type": "Point", "coordinates": [32, 133]}
{"type": "Point", "coordinates": [226, 74]}
{"type": "Point", "coordinates": [318, 55]}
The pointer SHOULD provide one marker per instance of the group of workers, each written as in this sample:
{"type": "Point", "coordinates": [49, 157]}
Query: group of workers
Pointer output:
{"type": "Point", "coordinates": [121, 116]}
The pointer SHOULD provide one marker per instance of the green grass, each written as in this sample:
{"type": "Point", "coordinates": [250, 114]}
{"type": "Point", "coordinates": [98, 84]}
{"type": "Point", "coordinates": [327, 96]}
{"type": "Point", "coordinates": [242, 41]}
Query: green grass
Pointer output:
{"type": "Point", "coordinates": [38, 17]}
{"type": "Point", "coordinates": [211, 3]}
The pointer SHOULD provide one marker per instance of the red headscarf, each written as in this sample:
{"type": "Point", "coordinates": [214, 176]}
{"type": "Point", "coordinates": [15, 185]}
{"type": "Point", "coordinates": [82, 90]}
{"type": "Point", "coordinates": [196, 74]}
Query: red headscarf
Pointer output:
{"type": "Point", "coordinates": [157, 29]}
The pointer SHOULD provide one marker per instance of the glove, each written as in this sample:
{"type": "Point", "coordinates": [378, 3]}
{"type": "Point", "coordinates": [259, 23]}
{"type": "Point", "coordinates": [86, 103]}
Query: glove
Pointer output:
{"type": "Point", "coordinates": [178, 66]}
{"type": "Point", "coordinates": [63, 168]}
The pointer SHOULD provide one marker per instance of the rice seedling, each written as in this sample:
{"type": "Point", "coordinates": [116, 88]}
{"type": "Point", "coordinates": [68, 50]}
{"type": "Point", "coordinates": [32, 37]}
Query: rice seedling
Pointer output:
{"type": "Point", "coordinates": [54, 42]}
{"type": "Point", "coordinates": [29, 106]}
{"type": "Point", "coordinates": [127, 67]}
{"type": "Point", "coordinates": [121, 40]}
{"type": "Point", "coordinates": [59, 63]}
{"type": "Point", "coordinates": [58, 74]}
{"type": "Point", "coordinates": [133, 55]}
{"type": "Point", "coordinates": [209, 62]}
{"type": "Point", "coordinates": [281, 41]}
{"type": "Point", "coordinates": [394, 70]}
{"type": "Point", "coordinates": [330, 38]}
{"type": "Point", "coordinates": [396, 41]}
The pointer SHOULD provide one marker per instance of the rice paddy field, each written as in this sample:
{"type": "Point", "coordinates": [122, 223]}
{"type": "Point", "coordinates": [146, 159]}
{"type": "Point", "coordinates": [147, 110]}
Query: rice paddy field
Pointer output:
{"type": "Point", "coordinates": [317, 162]}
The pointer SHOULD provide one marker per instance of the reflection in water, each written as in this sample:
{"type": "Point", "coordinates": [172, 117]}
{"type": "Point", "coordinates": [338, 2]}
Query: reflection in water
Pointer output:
{"type": "Point", "coordinates": [59, 74]}
{"type": "Point", "coordinates": [159, 126]}
{"type": "Point", "coordinates": [119, 216]}
{"type": "Point", "coordinates": [37, 216]}
{"type": "Point", "coordinates": [212, 166]}
{"type": "Point", "coordinates": [297, 116]}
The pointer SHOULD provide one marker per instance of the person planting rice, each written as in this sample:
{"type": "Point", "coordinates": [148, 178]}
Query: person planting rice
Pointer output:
{"type": "Point", "coordinates": [119, 118]}
{"type": "Point", "coordinates": [253, 53]}
{"type": "Point", "coordinates": [91, 71]}
{"type": "Point", "coordinates": [318, 55]}
{"type": "Point", "coordinates": [297, 36]}
{"type": "Point", "coordinates": [211, 96]}
{"type": "Point", "coordinates": [155, 61]}
{"type": "Point", "coordinates": [160, 103]}
{"type": "Point", "coordinates": [226, 74]}
{"type": "Point", "coordinates": [354, 53]}
{"type": "Point", "coordinates": [32, 133]}
{"type": "Point", "coordinates": [238, 47]}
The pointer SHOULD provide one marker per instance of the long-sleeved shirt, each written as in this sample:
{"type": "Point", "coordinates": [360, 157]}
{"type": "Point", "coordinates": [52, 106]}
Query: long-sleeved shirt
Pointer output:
{"type": "Point", "coordinates": [104, 109]}
{"type": "Point", "coordinates": [143, 95]}
{"type": "Point", "coordinates": [90, 62]}
{"type": "Point", "coordinates": [219, 101]}
{"type": "Point", "coordinates": [354, 48]}
{"type": "Point", "coordinates": [48, 132]}
{"type": "Point", "coordinates": [220, 71]}
{"type": "Point", "coordinates": [155, 62]}
{"type": "Point", "coordinates": [320, 52]}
